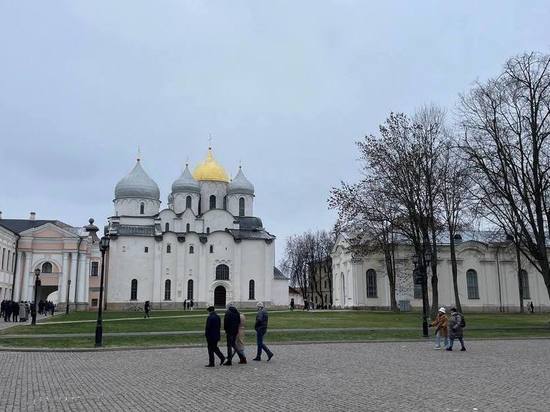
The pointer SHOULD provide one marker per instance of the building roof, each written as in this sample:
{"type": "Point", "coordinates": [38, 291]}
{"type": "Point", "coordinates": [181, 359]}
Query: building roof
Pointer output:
{"type": "Point", "coordinates": [185, 183]}
{"type": "Point", "coordinates": [210, 169]}
{"type": "Point", "coordinates": [240, 234]}
{"type": "Point", "coordinates": [137, 184]}
{"type": "Point", "coordinates": [240, 184]}
{"type": "Point", "coordinates": [20, 225]}
{"type": "Point", "coordinates": [277, 274]}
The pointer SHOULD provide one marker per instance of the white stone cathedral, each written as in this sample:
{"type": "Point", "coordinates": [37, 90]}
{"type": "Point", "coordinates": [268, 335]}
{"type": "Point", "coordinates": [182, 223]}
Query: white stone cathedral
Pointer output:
{"type": "Point", "coordinates": [206, 246]}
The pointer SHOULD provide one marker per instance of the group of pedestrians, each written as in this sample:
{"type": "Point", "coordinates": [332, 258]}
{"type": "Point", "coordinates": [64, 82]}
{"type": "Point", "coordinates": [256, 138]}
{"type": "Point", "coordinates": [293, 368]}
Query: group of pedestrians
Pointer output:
{"type": "Point", "coordinates": [188, 304]}
{"type": "Point", "coordinates": [449, 329]}
{"type": "Point", "coordinates": [234, 327]}
{"type": "Point", "coordinates": [12, 311]}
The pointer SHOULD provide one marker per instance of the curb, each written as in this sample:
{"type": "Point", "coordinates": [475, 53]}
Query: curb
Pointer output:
{"type": "Point", "coordinates": [296, 343]}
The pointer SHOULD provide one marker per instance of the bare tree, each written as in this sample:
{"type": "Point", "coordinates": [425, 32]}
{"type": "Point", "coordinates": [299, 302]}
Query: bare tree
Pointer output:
{"type": "Point", "coordinates": [507, 142]}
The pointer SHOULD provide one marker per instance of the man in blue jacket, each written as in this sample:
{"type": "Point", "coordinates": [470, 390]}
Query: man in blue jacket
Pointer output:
{"type": "Point", "coordinates": [212, 334]}
{"type": "Point", "coordinates": [261, 330]}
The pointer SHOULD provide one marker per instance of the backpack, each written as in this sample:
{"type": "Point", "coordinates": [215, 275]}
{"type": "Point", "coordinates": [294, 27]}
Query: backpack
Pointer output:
{"type": "Point", "coordinates": [462, 322]}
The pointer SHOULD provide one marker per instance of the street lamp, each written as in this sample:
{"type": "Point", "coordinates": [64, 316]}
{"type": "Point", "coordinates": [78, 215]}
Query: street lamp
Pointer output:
{"type": "Point", "coordinates": [36, 285]}
{"type": "Point", "coordinates": [420, 277]}
{"type": "Point", "coordinates": [103, 247]}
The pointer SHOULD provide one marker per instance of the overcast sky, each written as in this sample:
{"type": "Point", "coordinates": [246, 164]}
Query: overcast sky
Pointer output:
{"type": "Point", "coordinates": [286, 87]}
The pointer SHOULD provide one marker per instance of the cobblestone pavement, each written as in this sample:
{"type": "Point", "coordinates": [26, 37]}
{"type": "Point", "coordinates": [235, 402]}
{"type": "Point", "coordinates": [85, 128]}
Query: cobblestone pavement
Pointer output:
{"type": "Point", "coordinates": [491, 376]}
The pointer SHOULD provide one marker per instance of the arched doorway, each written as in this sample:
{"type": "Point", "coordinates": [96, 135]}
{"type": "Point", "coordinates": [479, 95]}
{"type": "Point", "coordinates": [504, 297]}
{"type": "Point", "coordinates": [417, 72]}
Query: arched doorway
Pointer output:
{"type": "Point", "coordinates": [219, 296]}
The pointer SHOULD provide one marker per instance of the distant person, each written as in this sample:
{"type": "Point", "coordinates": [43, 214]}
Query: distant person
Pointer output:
{"type": "Point", "coordinates": [231, 322]}
{"type": "Point", "coordinates": [531, 307]}
{"type": "Point", "coordinates": [147, 309]}
{"type": "Point", "coordinates": [305, 305]}
{"type": "Point", "coordinates": [52, 308]}
{"type": "Point", "coordinates": [292, 304]}
{"type": "Point", "coordinates": [456, 326]}
{"type": "Point", "coordinates": [191, 304]}
{"type": "Point", "coordinates": [7, 311]}
{"type": "Point", "coordinates": [261, 330]}
{"type": "Point", "coordinates": [185, 304]}
{"type": "Point", "coordinates": [15, 312]}
{"type": "Point", "coordinates": [212, 334]}
{"type": "Point", "coordinates": [441, 331]}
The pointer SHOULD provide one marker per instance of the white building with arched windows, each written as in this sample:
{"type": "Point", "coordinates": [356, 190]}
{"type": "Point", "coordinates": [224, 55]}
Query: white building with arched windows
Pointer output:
{"type": "Point", "coordinates": [205, 246]}
{"type": "Point", "coordinates": [487, 276]}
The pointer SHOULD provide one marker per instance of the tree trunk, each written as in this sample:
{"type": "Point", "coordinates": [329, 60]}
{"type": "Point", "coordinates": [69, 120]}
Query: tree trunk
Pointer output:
{"type": "Point", "coordinates": [391, 279]}
{"type": "Point", "coordinates": [454, 268]}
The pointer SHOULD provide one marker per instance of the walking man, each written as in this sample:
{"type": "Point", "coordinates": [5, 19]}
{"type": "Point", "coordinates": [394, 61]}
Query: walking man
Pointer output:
{"type": "Point", "coordinates": [212, 334]}
{"type": "Point", "coordinates": [231, 322]}
{"type": "Point", "coordinates": [261, 330]}
{"type": "Point", "coordinates": [147, 309]}
{"type": "Point", "coordinates": [456, 325]}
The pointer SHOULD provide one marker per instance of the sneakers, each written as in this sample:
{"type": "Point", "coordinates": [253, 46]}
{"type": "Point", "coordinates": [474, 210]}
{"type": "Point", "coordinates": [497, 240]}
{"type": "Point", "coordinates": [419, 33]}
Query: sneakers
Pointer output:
{"type": "Point", "coordinates": [208, 366]}
{"type": "Point", "coordinates": [227, 363]}
{"type": "Point", "coordinates": [257, 359]}
{"type": "Point", "coordinates": [437, 347]}
{"type": "Point", "coordinates": [269, 357]}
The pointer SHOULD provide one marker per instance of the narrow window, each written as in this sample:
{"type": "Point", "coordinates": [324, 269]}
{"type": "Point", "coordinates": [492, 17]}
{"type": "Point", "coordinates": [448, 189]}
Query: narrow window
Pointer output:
{"type": "Point", "coordinates": [146, 249]}
{"type": "Point", "coordinates": [222, 272]}
{"type": "Point", "coordinates": [3, 256]}
{"type": "Point", "coordinates": [142, 209]}
{"type": "Point", "coordinates": [211, 248]}
{"type": "Point", "coordinates": [167, 287]}
{"type": "Point", "coordinates": [167, 227]}
{"type": "Point", "coordinates": [212, 202]}
{"type": "Point", "coordinates": [188, 228]}
{"type": "Point", "coordinates": [371, 284]}
{"type": "Point", "coordinates": [208, 230]}
{"type": "Point", "coordinates": [225, 203]}
{"type": "Point", "coordinates": [251, 293]}
{"type": "Point", "coordinates": [133, 290]}
{"type": "Point", "coordinates": [241, 206]}
{"type": "Point", "coordinates": [525, 285]}
{"type": "Point", "coordinates": [168, 248]}
{"type": "Point", "coordinates": [188, 202]}
{"type": "Point", "coordinates": [95, 269]}
{"type": "Point", "coordinates": [47, 267]}
{"type": "Point", "coordinates": [8, 262]}
{"type": "Point", "coordinates": [94, 302]}
{"type": "Point", "coordinates": [417, 291]}
{"type": "Point", "coordinates": [190, 289]}
{"type": "Point", "coordinates": [471, 282]}
{"type": "Point", "coordinates": [191, 250]}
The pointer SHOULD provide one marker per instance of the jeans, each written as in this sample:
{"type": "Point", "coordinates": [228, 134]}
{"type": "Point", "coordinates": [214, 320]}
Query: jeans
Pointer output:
{"type": "Point", "coordinates": [452, 341]}
{"type": "Point", "coordinates": [438, 340]}
{"type": "Point", "coordinates": [261, 345]}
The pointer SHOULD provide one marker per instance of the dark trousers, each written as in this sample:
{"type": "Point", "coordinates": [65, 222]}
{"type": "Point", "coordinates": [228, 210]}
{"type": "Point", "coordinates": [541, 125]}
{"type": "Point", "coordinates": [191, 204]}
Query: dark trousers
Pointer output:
{"type": "Point", "coordinates": [232, 344]}
{"type": "Point", "coordinates": [452, 341]}
{"type": "Point", "coordinates": [261, 345]}
{"type": "Point", "coordinates": [213, 349]}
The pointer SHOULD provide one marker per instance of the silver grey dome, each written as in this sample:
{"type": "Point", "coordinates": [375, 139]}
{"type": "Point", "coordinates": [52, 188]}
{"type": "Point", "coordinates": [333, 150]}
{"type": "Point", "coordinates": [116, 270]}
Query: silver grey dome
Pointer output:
{"type": "Point", "coordinates": [137, 184]}
{"type": "Point", "coordinates": [240, 184]}
{"type": "Point", "coordinates": [185, 183]}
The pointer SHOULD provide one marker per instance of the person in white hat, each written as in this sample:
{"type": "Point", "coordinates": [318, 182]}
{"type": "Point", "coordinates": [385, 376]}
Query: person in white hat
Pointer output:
{"type": "Point", "coordinates": [261, 330]}
{"type": "Point", "coordinates": [441, 330]}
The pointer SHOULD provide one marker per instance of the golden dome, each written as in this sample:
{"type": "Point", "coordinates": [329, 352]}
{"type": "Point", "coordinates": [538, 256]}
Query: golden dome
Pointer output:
{"type": "Point", "coordinates": [210, 169]}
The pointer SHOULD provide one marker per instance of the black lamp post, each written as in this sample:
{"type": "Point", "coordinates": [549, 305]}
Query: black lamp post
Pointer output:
{"type": "Point", "coordinates": [36, 285]}
{"type": "Point", "coordinates": [420, 277]}
{"type": "Point", "coordinates": [103, 247]}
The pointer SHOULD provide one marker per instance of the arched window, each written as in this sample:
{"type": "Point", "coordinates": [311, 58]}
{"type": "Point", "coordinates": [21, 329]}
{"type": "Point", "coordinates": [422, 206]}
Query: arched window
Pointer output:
{"type": "Point", "coordinates": [47, 267]}
{"type": "Point", "coordinates": [251, 293]}
{"type": "Point", "coordinates": [167, 227]}
{"type": "Point", "coordinates": [225, 203]}
{"type": "Point", "coordinates": [190, 289]}
{"type": "Point", "coordinates": [208, 230]}
{"type": "Point", "coordinates": [167, 289]}
{"type": "Point", "coordinates": [212, 202]}
{"type": "Point", "coordinates": [241, 206]}
{"type": "Point", "coordinates": [188, 228]}
{"type": "Point", "coordinates": [211, 248]}
{"type": "Point", "coordinates": [191, 250]}
{"type": "Point", "coordinates": [142, 208]}
{"type": "Point", "coordinates": [188, 202]}
{"type": "Point", "coordinates": [222, 272]}
{"type": "Point", "coordinates": [133, 290]}
{"type": "Point", "coordinates": [168, 248]}
{"type": "Point", "coordinates": [524, 277]}
{"type": "Point", "coordinates": [471, 282]}
{"type": "Point", "coordinates": [371, 284]}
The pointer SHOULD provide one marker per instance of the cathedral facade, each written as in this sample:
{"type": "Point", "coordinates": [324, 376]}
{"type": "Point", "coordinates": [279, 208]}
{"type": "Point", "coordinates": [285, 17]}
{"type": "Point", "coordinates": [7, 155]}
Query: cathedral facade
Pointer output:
{"type": "Point", "coordinates": [206, 246]}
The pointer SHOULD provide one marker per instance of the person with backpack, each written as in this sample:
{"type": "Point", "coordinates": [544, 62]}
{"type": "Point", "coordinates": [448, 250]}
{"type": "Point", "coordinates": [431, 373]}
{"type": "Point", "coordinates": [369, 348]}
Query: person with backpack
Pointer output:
{"type": "Point", "coordinates": [456, 326]}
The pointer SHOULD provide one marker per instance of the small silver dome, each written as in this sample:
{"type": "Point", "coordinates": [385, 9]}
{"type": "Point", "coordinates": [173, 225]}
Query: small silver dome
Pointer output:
{"type": "Point", "coordinates": [137, 184]}
{"type": "Point", "coordinates": [240, 184]}
{"type": "Point", "coordinates": [185, 183]}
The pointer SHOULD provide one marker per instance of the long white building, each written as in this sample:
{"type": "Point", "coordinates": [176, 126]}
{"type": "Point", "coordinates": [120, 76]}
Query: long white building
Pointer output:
{"type": "Point", "coordinates": [487, 277]}
{"type": "Point", "coordinates": [206, 246]}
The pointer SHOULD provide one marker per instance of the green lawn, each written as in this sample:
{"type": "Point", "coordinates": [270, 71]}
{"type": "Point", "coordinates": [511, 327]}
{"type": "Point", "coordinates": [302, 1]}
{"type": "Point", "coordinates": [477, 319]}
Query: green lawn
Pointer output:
{"type": "Point", "coordinates": [478, 326]}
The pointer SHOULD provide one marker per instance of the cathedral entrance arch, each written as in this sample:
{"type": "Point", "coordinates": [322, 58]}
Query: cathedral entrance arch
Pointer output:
{"type": "Point", "coordinates": [220, 296]}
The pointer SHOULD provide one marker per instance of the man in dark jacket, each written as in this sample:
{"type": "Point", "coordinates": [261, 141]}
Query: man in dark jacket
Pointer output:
{"type": "Point", "coordinates": [212, 334]}
{"type": "Point", "coordinates": [231, 322]}
{"type": "Point", "coordinates": [15, 311]}
{"type": "Point", "coordinates": [456, 326]}
{"type": "Point", "coordinates": [261, 330]}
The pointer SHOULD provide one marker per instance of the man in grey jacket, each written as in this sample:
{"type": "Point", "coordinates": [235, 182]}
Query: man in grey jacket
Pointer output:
{"type": "Point", "coordinates": [456, 326]}
{"type": "Point", "coordinates": [261, 330]}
